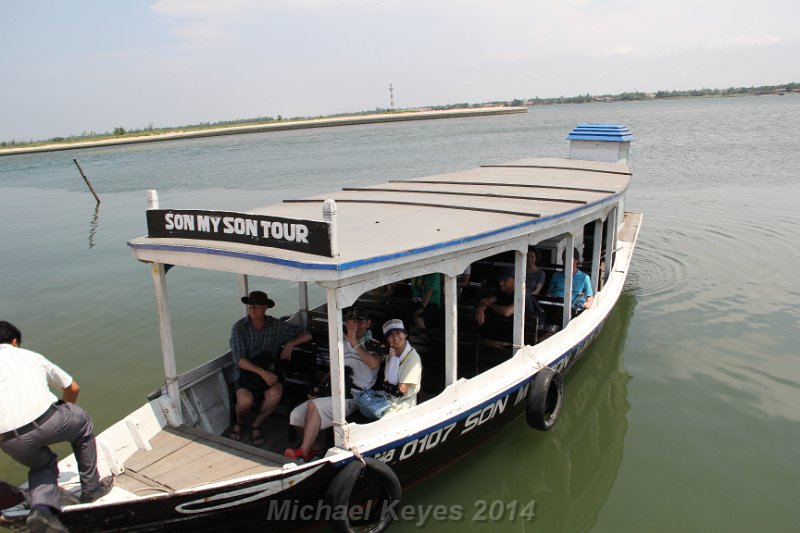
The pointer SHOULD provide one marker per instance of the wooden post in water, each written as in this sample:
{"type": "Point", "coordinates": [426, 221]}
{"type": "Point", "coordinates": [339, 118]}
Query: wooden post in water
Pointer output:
{"type": "Point", "coordinates": [86, 180]}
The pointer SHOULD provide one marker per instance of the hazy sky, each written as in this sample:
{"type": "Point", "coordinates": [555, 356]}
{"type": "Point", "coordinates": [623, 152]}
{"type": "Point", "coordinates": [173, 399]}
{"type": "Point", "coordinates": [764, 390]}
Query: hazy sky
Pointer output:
{"type": "Point", "coordinates": [76, 66]}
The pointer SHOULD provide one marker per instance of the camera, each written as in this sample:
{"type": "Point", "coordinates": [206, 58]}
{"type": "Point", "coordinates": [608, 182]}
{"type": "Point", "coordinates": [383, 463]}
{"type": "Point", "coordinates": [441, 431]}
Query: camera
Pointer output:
{"type": "Point", "coordinates": [373, 345]}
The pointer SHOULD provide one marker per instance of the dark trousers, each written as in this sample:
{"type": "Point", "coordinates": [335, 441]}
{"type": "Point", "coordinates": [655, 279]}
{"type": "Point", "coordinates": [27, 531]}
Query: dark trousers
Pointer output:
{"type": "Point", "coordinates": [497, 328]}
{"type": "Point", "coordinates": [70, 424]}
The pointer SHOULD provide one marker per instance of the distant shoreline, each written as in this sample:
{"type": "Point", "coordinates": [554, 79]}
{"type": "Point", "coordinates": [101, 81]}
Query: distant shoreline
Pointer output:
{"type": "Point", "coordinates": [269, 127]}
{"type": "Point", "coordinates": [149, 134]}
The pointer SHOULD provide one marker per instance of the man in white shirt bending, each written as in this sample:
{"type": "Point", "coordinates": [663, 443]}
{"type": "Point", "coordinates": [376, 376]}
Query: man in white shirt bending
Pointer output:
{"type": "Point", "coordinates": [31, 419]}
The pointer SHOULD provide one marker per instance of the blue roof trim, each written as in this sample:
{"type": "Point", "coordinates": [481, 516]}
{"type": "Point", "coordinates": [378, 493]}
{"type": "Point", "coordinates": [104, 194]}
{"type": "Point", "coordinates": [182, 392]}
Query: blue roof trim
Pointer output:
{"type": "Point", "coordinates": [601, 132]}
{"type": "Point", "coordinates": [371, 260]}
{"type": "Point", "coordinates": [227, 253]}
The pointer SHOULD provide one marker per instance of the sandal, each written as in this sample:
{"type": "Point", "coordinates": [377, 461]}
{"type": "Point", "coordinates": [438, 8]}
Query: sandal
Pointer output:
{"type": "Point", "coordinates": [258, 439]}
{"type": "Point", "coordinates": [236, 432]}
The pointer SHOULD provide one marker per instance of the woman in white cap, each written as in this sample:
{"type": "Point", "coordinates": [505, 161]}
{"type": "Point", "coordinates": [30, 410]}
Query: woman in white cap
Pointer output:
{"type": "Point", "coordinates": [403, 372]}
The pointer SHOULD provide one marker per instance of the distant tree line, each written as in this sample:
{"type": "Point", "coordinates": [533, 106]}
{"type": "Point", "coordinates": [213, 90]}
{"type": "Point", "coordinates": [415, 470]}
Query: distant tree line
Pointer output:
{"type": "Point", "coordinates": [693, 93]}
{"type": "Point", "coordinates": [580, 99]}
{"type": "Point", "coordinates": [634, 95]}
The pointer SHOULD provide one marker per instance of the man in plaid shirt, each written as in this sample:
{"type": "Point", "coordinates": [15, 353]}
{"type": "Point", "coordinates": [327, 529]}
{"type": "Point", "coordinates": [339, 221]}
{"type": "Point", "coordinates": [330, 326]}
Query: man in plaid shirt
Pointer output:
{"type": "Point", "coordinates": [258, 344]}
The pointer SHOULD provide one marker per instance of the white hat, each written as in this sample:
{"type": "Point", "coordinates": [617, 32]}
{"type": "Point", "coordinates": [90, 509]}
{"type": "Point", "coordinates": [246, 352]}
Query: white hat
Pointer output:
{"type": "Point", "coordinates": [391, 325]}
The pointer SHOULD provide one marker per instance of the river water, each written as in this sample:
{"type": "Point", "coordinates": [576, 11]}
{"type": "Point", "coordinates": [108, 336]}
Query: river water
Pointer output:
{"type": "Point", "coordinates": [682, 417]}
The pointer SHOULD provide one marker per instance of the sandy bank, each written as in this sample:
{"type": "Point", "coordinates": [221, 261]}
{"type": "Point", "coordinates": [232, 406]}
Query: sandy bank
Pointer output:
{"type": "Point", "coordinates": [273, 126]}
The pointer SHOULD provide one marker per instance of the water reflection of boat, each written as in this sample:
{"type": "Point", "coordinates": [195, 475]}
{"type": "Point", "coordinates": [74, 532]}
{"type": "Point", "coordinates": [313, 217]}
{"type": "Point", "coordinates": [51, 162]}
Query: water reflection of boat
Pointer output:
{"type": "Point", "coordinates": [175, 469]}
{"type": "Point", "coordinates": [578, 466]}
{"type": "Point", "coordinates": [568, 472]}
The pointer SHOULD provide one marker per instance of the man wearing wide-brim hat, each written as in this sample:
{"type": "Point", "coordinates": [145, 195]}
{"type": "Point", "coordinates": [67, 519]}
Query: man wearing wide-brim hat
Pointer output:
{"type": "Point", "coordinates": [258, 344]}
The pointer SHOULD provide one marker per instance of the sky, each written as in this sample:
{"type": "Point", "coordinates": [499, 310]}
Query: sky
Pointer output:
{"type": "Point", "coordinates": [79, 66]}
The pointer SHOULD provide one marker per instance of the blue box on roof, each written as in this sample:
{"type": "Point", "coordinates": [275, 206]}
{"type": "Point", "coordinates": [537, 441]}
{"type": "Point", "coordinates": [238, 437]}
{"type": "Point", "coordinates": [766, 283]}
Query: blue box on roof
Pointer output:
{"type": "Point", "coordinates": [600, 132]}
{"type": "Point", "coordinates": [600, 142]}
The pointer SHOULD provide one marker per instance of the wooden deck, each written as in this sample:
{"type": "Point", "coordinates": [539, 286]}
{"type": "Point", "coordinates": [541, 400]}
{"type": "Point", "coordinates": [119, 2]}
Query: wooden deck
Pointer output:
{"type": "Point", "coordinates": [186, 457]}
{"type": "Point", "coordinates": [629, 230]}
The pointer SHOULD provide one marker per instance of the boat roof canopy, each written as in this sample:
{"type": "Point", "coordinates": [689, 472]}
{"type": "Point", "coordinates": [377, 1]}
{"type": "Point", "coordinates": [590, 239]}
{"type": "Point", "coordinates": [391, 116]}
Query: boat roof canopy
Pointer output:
{"type": "Point", "coordinates": [383, 225]}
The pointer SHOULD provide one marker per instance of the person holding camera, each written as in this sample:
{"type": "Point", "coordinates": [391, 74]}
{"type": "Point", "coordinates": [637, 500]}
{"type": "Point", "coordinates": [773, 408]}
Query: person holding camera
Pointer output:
{"type": "Point", "coordinates": [361, 366]}
{"type": "Point", "coordinates": [255, 341]}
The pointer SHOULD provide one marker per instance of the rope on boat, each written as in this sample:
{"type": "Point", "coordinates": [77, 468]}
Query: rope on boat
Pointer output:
{"type": "Point", "coordinates": [358, 456]}
{"type": "Point", "coordinates": [539, 364]}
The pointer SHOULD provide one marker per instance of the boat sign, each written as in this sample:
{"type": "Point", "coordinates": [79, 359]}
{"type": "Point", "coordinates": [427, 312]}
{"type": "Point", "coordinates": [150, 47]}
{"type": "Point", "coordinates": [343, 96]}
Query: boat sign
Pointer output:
{"type": "Point", "coordinates": [309, 236]}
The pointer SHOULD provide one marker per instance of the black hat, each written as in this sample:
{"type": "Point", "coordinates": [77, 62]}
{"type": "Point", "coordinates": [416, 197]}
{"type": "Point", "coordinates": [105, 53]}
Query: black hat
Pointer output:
{"type": "Point", "coordinates": [258, 298]}
{"type": "Point", "coordinates": [356, 313]}
{"type": "Point", "coordinates": [504, 273]}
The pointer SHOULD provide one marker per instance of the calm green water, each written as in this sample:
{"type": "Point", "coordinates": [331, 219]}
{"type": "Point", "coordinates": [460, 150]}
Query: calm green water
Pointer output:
{"type": "Point", "coordinates": [683, 416]}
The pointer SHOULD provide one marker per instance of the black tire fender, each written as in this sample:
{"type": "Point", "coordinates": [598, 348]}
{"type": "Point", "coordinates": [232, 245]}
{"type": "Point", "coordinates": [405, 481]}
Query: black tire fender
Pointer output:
{"type": "Point", "coordinates": [545, 399]}
{"type": "Point", "coordinates": [338, 493]}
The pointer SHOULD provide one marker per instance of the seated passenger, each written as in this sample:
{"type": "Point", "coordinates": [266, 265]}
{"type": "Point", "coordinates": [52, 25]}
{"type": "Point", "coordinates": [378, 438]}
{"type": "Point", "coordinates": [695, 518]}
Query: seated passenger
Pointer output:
{"type": "Point", "coordinates": [402, 376]}
{"type": "Point", "coordinates": [493, 313]}
{"type": "Point", "coordinates": [534, 278]}
{"type": "Point", "coordinates": [426, 294]}
{"type": "Point", "coordinates": [317, 413]}
{"type": "Point", "coordinates": [582, 293]}
{"type": "Point", "coordinates": [534, 282]}
{"type": "Point", "coordinates": [258, 344]}
{"type": "Point", "coordinates": [403, 372]}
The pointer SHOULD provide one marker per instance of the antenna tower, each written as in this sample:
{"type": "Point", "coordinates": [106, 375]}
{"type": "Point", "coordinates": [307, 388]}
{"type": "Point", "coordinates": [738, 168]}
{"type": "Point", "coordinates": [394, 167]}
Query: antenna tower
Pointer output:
{"type": "Point", "coordinates": [391, 97]}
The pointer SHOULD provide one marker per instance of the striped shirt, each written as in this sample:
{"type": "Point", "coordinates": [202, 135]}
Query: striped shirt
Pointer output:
{"type": "Point", "coordinates": [24, 380]}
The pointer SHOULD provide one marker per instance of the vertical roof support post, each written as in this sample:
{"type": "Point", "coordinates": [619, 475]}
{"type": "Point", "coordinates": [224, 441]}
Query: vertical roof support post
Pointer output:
{"type": "Point", "coordinates": [611, 231]}
{"type": "Point", "coordinates": [596, 247]}
{"type": "Point", "coordinates": [152, 199]}
{"type": "Point", "coordinates": [569, 253]}
{"type": "Point", "coordinates": [336, 338]}
{"type": "Point", "coordinates": [336, 351]}
{"type": "Point", "coordinates": [167, 349]}
{"type": "Point", "coordinates": [450, 329]}
{"type": "Point", "coordinates": [329, 212]}
{"type": "Point", "coordinates": [243, 290]}
{"type": "Point", "coordinates": [159, 273]}
{"type": "Point", "coordinates": [520, 265]}
{"type": "Point", "coordinates": [303, 288]}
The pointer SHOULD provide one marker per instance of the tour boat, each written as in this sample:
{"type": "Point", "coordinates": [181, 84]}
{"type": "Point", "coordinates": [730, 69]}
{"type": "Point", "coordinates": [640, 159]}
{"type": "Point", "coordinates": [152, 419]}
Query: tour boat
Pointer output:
{"type": "Point", "coordinates": [175, 466]}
